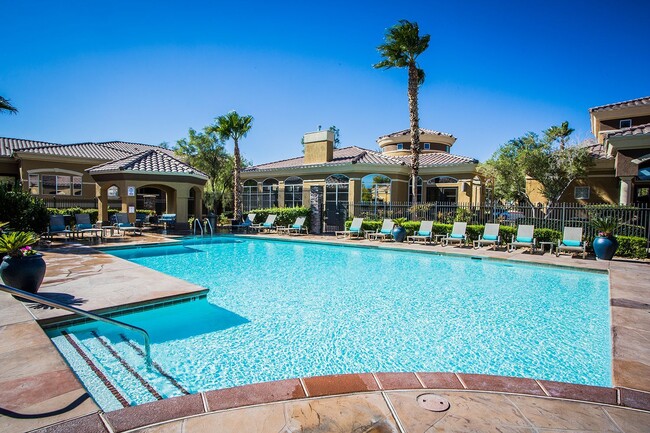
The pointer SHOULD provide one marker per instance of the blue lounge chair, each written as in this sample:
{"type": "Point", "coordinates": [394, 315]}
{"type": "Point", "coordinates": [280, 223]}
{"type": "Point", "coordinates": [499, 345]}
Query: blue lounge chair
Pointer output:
{"type": "Point", "coordinates": [83, 226]}
{"type": "Point", "coordinates": [457, 234]}
{"type": "Point", "coordinates": [57, 226]}
{"type": "Point", "coordinates": [524, 238]}
{"type": "Point", "coordinates": [354, 230]}
{"type": "Point", "coordinates": [572, 241]}
{"type": "Point", "coordinates": [385, 232]}
{"type": "Point", "coordinates": [124, 226]}
{"type": "Point", "coordinates": [423, 234]}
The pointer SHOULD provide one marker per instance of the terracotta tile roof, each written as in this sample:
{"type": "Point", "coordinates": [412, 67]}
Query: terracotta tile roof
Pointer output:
{"type": "Point", "coordinates": [596, 150]}
{"type": "Point", "coordinates": [632, 130]}
{"type": "Point", "coordinates": [625, 104]}
{"type": "Point", "coordinates": [408, 131]}
{"type": "Point", "coordinates": [358, 155]}
{"type": "Point", "coordinates": [150, 161]}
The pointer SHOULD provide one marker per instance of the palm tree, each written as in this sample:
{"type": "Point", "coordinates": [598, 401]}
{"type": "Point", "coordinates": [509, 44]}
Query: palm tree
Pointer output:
{"type": "Point", "coordinates": [5, 106]}
{"type": "Point", "coordinates": [234, 126]}
{"type": "Point", "coordinates": [401, 49]}
{"type": "Point", "coordinates": [560, 133]}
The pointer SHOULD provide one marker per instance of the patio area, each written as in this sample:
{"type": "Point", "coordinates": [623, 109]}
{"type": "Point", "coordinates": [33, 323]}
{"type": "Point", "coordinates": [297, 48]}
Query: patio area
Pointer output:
{"type": "Point", "coordinates": [39, 390]}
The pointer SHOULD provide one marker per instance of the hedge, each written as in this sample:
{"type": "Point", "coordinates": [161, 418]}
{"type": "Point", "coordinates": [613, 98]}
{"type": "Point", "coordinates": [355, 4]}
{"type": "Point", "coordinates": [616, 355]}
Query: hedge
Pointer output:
{"type": "Point", "coordinates": [21, 210]}
{"type": "Point", "coordinates": [632, 246]}
{"type": "Point", "coordinates": [286, 215]}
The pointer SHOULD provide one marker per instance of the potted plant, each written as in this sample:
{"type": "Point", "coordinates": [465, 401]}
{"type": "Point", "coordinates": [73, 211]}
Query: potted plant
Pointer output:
{"type": "Point", "coordinates": [22, 266]}
{"type": "Point", "coordinates": [605, 243]}
{"type": "Point", "coordinates": [399, 232]}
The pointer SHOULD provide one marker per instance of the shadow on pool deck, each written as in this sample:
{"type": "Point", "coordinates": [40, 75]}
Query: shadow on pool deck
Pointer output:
{"type": "Point", "coordinates": [36, 380]}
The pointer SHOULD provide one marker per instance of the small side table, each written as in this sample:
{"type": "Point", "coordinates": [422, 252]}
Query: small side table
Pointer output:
{"type": "Point", "coordinates": [438, 238]}
{"type": "Point", "coordinates": [542, 246]}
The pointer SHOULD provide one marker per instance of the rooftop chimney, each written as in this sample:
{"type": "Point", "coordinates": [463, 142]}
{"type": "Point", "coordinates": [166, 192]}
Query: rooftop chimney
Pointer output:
{"type": "Point", "coordinates": [319, 147]}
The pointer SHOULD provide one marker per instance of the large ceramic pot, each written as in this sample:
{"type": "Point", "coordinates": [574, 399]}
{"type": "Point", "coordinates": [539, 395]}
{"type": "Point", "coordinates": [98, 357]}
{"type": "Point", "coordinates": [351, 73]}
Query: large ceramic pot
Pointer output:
{"type": "Point", "coordinates": [399, 234]}
{"type": "Point", "coordinates": [605, 247]}
{"type": "Point", "coordinates": [24, 273]}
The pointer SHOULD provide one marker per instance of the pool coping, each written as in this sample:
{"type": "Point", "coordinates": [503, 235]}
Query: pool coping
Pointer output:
{"type": "Point", "coordinates": [177, 408]}
{"type": "Point", "coordinates": [625, 396]}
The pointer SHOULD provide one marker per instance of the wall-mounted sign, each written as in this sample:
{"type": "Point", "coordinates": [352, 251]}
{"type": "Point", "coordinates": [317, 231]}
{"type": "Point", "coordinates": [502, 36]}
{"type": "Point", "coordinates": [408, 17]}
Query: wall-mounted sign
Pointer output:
{"type": "Point", "coordinates": [131, 209]}
{"type": "Point", "coordinates": [130, 191]}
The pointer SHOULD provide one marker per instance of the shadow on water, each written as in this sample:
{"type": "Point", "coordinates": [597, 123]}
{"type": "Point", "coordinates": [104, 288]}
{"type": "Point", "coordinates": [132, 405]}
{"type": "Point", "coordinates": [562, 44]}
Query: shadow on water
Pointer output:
{"type": "Point", "coordinates": [175, 322]}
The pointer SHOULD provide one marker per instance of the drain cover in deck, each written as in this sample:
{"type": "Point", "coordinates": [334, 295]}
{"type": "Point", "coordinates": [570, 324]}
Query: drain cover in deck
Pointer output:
{"type": "Point", "coordinates": [432, 402]}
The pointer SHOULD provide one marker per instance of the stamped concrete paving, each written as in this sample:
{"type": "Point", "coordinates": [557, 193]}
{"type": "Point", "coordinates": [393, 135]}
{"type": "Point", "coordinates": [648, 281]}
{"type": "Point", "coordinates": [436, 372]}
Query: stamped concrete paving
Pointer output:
{"type": "Point", "coordinates": [37, 388]}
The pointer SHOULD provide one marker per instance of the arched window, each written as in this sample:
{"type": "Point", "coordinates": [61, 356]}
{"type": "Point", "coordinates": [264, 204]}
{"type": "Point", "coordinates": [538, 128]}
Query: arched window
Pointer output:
{"type": "Point", "coordinates": [375, 188]}
{"type": "Point", "coordinates": [442, 179]}
{"type": "Point", "coordinates": [113, 192]}
{"type": "Point", "coordinates": [270, 193]}
{"type": "Point", "coordinates": [293, 192]}
{"type": "Point", "coordinates": [336, 188]}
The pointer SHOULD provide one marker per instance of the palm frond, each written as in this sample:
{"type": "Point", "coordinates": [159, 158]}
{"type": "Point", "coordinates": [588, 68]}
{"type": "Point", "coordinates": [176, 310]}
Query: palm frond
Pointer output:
{"type": "Point", "coordinates": [5, 106]}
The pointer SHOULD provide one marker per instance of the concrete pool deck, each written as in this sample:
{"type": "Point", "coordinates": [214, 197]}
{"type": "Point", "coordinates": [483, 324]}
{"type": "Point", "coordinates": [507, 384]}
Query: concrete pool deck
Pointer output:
{"type": "Point", "coordinates": [37, 388]}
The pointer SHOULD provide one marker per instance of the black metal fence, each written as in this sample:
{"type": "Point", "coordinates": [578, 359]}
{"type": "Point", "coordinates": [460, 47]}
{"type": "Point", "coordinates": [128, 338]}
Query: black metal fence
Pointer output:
{"type": "Point", "coordinates": [61, 202]}
{"type": "Point", "coordinates": [634, 220]}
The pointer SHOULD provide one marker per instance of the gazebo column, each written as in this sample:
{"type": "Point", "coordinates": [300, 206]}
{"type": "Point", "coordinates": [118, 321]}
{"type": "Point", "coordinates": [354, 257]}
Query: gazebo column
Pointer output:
{"type": "Point", "coordinates": [180, 206]}
{"type": "Point", "coordinates": [101, 193]}
{"type": "Point", "coordinates": [626, 190]}
{"type": "Point", "coordinates": [128, 201]}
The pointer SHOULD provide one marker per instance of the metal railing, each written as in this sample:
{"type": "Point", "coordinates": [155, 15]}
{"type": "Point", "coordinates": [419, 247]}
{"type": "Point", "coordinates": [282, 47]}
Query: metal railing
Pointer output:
{"type": "Point", "coordinates": [197, 223]}
{"type": "Point", "coordinates": [208, 224]}
{"type": "Point", "coordinates": [634, 219]}
{"type": "Point", "coordinates": [88, 314]}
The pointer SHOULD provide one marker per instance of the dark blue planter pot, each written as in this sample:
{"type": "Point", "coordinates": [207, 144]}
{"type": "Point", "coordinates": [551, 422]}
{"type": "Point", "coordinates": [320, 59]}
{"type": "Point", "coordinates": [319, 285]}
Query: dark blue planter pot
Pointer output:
{"type": "Point", "coordinates": [24, 273]}
{"type": "Point", "coordinates": [399, 234]}
{"type": "Point", "coordinates": [605, 247]}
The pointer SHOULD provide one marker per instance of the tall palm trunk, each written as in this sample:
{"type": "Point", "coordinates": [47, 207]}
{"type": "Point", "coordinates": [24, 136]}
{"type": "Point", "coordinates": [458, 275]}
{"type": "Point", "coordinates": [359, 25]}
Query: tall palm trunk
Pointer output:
{"type": "Point", "coordinates": [413, 84]}
{"type": "Point", "coordinates": [237, 200]}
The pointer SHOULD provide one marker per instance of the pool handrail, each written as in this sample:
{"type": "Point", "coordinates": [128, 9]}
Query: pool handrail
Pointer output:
{"type": "Point", "coordinates": [41, 300]}
{"type": "Point", "coordinates": [209, 224]}
{"type": "Point", "coordinates": [197, 222]}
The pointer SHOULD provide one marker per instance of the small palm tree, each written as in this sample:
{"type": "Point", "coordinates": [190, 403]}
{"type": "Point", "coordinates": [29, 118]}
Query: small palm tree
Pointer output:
{"type": "Point", "coordinates": [5, 106]}
{"type": "Point", "coordinates": [403, 44]}
{"type": "Point", "coordinates": [233, 126]}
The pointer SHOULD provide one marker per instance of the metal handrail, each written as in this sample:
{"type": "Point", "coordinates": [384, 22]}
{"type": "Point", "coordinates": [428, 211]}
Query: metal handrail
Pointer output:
{"type": "Point", "coordinates": [55, 304]}
{"type": "Point", "coordinates": [209, 224]}
{"type": "Point", "coordinates": [198, 222]}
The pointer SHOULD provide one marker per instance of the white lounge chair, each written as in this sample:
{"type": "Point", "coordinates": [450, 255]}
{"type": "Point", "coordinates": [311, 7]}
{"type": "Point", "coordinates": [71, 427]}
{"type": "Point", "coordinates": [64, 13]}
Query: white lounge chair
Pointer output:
{"type": "Point", "coordinates": [296, 228]}
{"type": "Point", "coordinates": [572, 241]}
{"type": "Point", "coordinates": [354, 230]}
{"type": "Point", "coordinates": [524, 238]}
{"type": "Point", "coordinates": [385, 232]}
{"type": "Point", "coordinates": [268, 225]}
{"type": "Point", "coordinates": [457, 234]}
{"type": "Point", "coordinates": [423, 234]}
{"type": "Point", "coordinates": [490, 236]}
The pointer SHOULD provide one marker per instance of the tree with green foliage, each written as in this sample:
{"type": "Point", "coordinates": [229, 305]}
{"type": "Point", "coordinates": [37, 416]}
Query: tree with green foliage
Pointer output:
{"type": "Point", "coordinates": [206, 152]}
{"type": "Point", "coordinates": [403, 44]}
{"type": "Point", "coordinates": [235, 127]}
{"type": "Point", "coordinates": [549, 159]}
{"type": "Point", "coordinates": [6, 107]}
{"type": "Point", "coordinates": [21, 210]}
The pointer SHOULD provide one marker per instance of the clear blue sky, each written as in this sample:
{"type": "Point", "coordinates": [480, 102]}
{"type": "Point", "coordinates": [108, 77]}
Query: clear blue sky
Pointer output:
{"type": "Point", "coordinates": [146, 71]}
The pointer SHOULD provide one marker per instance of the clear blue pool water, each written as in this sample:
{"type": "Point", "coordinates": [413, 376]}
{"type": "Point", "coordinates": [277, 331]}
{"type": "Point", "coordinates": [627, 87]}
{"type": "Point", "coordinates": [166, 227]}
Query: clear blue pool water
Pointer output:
{"type": "Point", "coordinates": [280, 309]}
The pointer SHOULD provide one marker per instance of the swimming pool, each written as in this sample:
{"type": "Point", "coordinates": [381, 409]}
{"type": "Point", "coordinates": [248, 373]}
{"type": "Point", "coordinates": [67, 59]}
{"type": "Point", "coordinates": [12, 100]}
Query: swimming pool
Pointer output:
{"type": "Point", "coordinates": [280, 309]}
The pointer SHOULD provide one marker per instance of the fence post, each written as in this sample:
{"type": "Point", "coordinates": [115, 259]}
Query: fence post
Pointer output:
{"type": "Point", "coordinates": [563, 215]}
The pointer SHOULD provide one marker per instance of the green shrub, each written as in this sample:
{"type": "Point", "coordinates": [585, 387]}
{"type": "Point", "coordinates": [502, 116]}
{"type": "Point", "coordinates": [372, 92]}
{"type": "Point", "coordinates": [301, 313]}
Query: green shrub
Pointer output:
{"type": "Point", "coordinates": [21, 210]}
{"type": "Point", "coordinates": [547, 235]}
{"type": "Point", "coordinates": [632, 246]}
{"type": "Point", "coordinates": [286, 215]}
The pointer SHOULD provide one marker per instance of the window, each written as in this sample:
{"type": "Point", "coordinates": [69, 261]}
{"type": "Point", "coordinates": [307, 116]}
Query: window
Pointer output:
{"type": "Point", "coordinates": [50, 184]}
{"type": "Point", "coordinates": [113, 192]}
{"type": "Point", "coordinates": [447, 148]}
{"type": "Point", "coordinates": [625, 123]}
{"type": "Point", "coordinates": [582, 192]}
{"type": "Point", "coordinates": [375, 188]}
{"type": "Point", "coordinates": [442, 179]}
{"type": "Point", "coordinates": [250, 196]}
{"type": "Point", "coordinates": [293, 192]}
{"type": "Point", "coordinates": [426, 146]}
{"type": "Point", "coordinates": [269, 193]}
{"type": "Point", "coordinates": [33, 184]}
{"type": "Point", "coordinates": [400, 146]}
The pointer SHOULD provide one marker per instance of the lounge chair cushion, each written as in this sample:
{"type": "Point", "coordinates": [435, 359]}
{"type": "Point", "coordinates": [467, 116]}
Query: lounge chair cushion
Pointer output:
{"type": "Point", "coordinates": [526, 240]}
{"type": "Point", "coordinates": [267, 225]}
{"type": "Point", "coordinates": [84, 226]}
{"type": "Point", "coordinates": [385, 232]}
{"type": "Point", "coordinates": [572, 243]}
{"type": "Point", "coordinates": [296, 226]}
{"type": "Point", "coordinates": [354, 229]}
{"type": "Point", "coordinates": [456, 236]}
{"type": "Point", "coordinates": [421, 233]}
{"type": "Point", "coordinates": [490, 237]}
